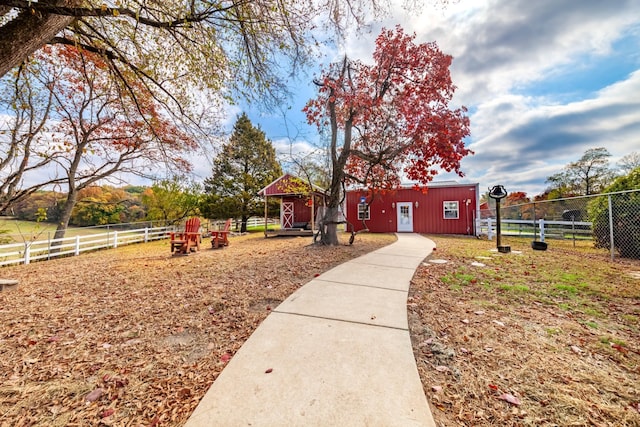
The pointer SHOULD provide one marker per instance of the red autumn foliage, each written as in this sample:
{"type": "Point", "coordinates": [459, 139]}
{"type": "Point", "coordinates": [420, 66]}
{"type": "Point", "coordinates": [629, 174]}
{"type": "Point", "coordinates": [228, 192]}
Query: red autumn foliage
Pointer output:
{"type": "Point", "coordinates": [396, 112]}
{"type": "Point", "coordinates": [102, 118]}
{"type": "Point", "coordinates": [394, 118]}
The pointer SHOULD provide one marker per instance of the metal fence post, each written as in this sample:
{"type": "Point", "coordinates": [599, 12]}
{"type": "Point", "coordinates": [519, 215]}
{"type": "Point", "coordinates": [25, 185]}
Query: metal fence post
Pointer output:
{"type": "Point", "coordinates": [611, 226]}
{"type": "Point", "coordinates": [541, 223]}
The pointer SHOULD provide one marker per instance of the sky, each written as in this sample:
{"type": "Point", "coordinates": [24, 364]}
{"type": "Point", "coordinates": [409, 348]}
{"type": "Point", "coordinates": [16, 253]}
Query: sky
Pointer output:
{"type": "Point", "coordinates": [543, 80]}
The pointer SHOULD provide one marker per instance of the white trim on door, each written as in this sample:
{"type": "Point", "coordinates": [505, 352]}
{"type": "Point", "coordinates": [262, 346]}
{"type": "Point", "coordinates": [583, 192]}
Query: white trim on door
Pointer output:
{"type": "Point", "coordinates": [287, 215]}
{"type": "Point", "coordinates": [404, 211]}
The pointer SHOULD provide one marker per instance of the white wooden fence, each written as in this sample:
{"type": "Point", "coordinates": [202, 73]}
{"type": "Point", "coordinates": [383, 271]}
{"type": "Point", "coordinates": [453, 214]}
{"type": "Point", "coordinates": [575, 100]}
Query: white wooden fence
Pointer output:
{"type": "Point", "coordinates": [540, 229]}
{"type": "Point", "coordinates": [36, 250]}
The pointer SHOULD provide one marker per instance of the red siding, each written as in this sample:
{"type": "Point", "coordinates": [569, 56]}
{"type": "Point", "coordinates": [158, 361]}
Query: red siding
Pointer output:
{"type": "Point", "coordinates": [428, 215]}
{"type": "Point", "coordinates": [301, 212]}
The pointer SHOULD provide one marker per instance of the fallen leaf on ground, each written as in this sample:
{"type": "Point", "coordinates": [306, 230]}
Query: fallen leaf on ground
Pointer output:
{"type": "Point", "coordinates": [510, 398]}
{"type": "Point", "coordinates": [107, 412]}
{"type": "Point", "coordinates": [620, 348]}
{"type": "Point", "coordinates": [94, 395]}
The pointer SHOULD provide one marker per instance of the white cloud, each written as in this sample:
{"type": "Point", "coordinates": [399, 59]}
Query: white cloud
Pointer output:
{"type": "Point", "coordinates": [527, 143]}
{"type": "Point", "coordinates": [506, 55]}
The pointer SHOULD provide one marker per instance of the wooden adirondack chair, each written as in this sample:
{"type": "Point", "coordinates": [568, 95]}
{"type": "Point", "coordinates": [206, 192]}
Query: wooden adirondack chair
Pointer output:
{"type": "Point", "coordinates": [188, 240]}
{"type": "Point", "coordinates": [220, 238]}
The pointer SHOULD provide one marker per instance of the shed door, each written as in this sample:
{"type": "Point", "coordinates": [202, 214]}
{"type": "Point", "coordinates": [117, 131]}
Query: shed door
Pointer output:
{"type": "Point", "coordinates": [405, 217]}
{"type": "Point", "coordinates": [287, 215]}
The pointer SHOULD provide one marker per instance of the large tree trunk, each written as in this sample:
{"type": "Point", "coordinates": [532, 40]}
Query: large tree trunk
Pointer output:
{"type": "Point", "coordinates": [26, 33]}
{"type": "Point", "coordinates": [329, 227]}
{"type": "Point", "coordinates": [243, 225]}
{"type": "Point", "coordinates": [329, 224]}
{"type": "Point", "coordinates": [65, 215]}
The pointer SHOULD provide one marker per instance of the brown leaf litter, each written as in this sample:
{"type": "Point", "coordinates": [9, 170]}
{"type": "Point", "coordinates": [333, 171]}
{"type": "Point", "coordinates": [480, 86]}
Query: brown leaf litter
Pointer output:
{"type": "Point", "coordinates": [526, 339]}
{"type": "Point", "coordinates": [134, 336]}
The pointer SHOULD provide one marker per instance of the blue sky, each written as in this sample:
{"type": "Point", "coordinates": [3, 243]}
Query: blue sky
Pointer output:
{"type": "Point", "coordinates": [544, 81]}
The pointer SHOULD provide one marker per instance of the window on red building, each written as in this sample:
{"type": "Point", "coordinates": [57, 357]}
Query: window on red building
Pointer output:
{"type": "Point", "coordinates": [451, 210]}
{"type": "Point", "coordinates": [363, 211]}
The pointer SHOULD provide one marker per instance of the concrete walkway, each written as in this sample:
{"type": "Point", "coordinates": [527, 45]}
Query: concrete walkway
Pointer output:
{"type": "Point", "coordinates": [337, 352]}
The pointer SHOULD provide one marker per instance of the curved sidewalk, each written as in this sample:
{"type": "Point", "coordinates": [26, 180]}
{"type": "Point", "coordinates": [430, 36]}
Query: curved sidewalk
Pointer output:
{"type": "Point", "coordinates": [337, 352]}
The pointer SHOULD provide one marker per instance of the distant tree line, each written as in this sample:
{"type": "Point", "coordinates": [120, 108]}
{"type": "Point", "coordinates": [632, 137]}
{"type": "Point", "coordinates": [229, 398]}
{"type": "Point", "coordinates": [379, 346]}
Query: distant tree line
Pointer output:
{"type": "Point", "coordinates": [96, 206]}
{"type": "Point", "coordinates": [245, 165]}
{"type": "Point", "coordinates": [589, 175]}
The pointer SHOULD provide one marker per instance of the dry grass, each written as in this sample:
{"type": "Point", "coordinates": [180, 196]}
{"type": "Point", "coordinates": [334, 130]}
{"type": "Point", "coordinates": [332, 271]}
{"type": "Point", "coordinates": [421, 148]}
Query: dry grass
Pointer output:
{"type": "Point", "coordinates": [557, 330]}
{"type": "Point", "coordinates": [144, 334]}
{"type": "Point", "coordinates": [134, 336]}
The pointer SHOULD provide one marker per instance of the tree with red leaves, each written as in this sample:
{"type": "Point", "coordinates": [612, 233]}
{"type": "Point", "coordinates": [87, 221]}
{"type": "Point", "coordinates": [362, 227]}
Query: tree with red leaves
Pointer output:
{"type": "Point", "coordinates": [393, 117]}
{"type": "Point", "coordinates": [100, 129]}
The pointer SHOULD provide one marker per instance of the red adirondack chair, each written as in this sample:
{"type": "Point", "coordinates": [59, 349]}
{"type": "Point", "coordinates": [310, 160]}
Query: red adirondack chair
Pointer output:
{"type": "Point", "coordinates": [188, 240]}
{"type": "Point", "coordinates": [220, 238]}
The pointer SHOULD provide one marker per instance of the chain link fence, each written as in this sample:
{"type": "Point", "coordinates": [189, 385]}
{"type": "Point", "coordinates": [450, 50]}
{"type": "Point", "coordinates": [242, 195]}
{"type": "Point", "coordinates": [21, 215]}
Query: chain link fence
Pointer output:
{"type": "Point", "coordinates": [610, 221]}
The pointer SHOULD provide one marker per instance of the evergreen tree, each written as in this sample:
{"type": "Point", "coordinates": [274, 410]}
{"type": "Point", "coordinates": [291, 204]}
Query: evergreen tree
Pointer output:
{"type": "Point", "coordinates": [246, 164]}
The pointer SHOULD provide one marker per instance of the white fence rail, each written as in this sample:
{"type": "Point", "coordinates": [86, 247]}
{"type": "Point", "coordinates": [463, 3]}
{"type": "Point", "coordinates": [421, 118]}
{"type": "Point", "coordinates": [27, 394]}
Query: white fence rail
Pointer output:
{"type": "Point", "coordinates": [37, 250]}
{"type": "Point", "coordinates": [540, 229]}
{"type": "Point", "coordinates": [252, 222]}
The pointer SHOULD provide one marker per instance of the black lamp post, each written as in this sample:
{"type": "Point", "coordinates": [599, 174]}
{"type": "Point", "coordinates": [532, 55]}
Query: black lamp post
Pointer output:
{"type": "Point", "coordinates": [498, 193]}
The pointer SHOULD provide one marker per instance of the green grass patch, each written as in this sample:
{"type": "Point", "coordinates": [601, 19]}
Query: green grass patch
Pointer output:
{"type": "Point", "coordinates": [458, 279]}
{"type": "Point", "coordinates": [515, 288]}
{"type": "Point", "coordinates": [591, 324]}
{"type": "Point", "coordinates": [260, 228]}
{"type": "Point", "coordinates": [14, 226]}
{"type": "Point", "coordinates": [565, 306]}
{"type": "Point", "coordinates": [609, 340]}
{"type": "Point", "coordinates": [465, 278]}
{"type": "Point", "coordinates": [592, 311]}
{"type": "Point", "coordinates": [581, 279]}
{"type": "Point", "coordinates": [17, 231]}
{"type": "Point", "coordinates": [448, 279]}
{"type": "Point", "coordinates": [569, 277]}
{"type": "Point", "coordinates": [566, 289]}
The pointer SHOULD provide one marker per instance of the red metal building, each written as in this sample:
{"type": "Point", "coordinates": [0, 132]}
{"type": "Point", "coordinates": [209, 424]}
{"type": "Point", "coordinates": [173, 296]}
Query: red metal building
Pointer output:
{"type": "Point", "coordinates": [440, 208]}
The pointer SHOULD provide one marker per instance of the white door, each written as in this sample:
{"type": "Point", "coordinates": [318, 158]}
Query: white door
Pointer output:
{"type": "Point", "coordinates": [405, 217]}
{"type": "Point", "coordinates": [287, 215]}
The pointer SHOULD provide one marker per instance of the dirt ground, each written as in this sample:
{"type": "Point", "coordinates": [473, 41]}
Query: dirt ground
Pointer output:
{"type": "Point", "coordinates": [134, 336]}
{"type": "Point", "coordinates": [529, 338]}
